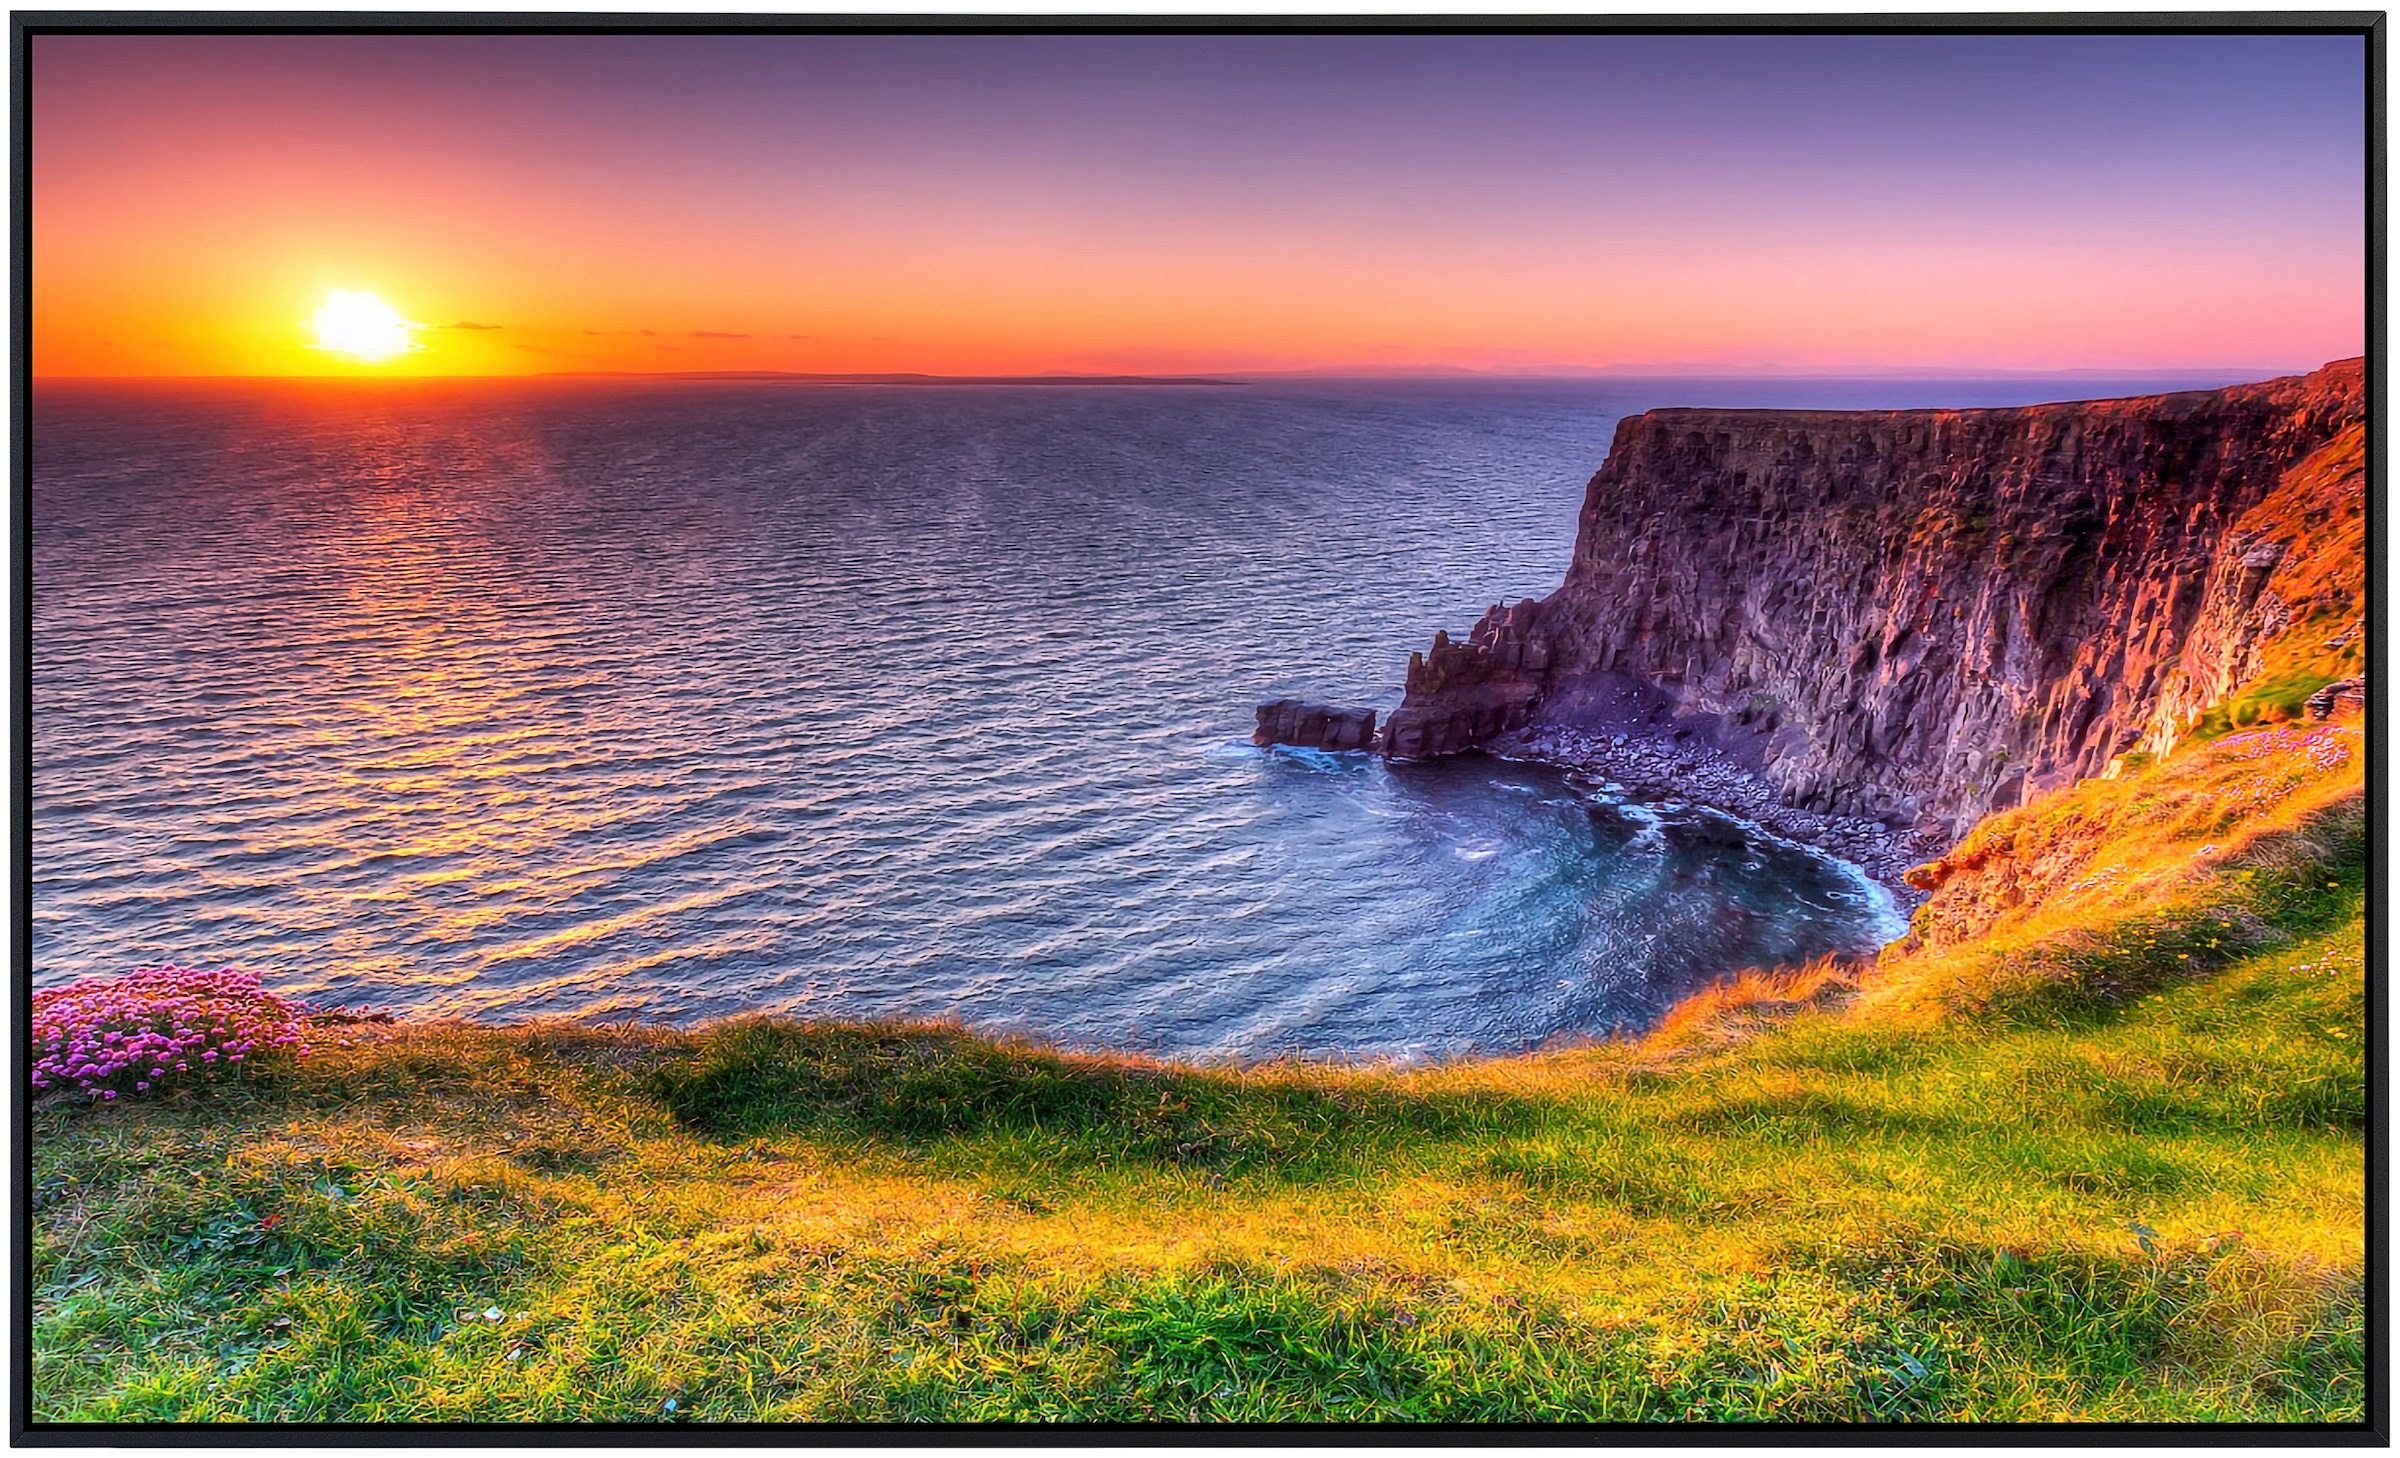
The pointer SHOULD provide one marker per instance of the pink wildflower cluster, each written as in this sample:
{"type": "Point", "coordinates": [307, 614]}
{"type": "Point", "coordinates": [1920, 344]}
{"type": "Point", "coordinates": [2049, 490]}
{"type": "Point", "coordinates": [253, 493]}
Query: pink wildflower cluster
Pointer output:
{"type": "Point", "coordinates": [106, 1036]}
{"type": "Point", "coordinates": [2322, 748]}
{"type": "Point", "coordinates": [2261, 794]}
{"type": "Point", "coordinates": [2111, 877]}
{"type": "Point", "coordinates": [2333, 965]}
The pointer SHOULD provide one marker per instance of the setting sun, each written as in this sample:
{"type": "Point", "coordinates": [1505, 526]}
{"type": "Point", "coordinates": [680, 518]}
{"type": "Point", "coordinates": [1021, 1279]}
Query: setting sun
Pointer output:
{"type": "Point", "coordinates": [354, 322]}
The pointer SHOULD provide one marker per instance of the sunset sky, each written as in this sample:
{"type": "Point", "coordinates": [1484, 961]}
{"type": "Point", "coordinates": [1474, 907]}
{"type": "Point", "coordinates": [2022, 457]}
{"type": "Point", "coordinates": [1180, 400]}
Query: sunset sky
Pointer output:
{"type": "Point", "coordinates": [1002, 204]}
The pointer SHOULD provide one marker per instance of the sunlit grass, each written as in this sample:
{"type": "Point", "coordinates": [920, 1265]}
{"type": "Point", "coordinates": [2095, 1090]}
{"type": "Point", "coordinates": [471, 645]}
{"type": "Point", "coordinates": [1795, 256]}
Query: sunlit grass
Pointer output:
{"type": "Point", "coordinates": [2063, 908]}
{"type": "Point", "coordinates": [2159, 1217]}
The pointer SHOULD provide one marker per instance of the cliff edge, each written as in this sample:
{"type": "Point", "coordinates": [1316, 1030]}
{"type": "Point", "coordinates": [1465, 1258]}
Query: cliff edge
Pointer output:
{"type": "Point", "coordinates": [1921, 616]}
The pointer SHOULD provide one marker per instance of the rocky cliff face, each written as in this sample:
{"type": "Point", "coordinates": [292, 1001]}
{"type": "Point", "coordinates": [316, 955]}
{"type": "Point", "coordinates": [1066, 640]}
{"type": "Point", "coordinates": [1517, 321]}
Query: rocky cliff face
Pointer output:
{"type": "Point", "coordinates": [2287, 596]}
{"type": "Point", "coordinates": [1924, 615]}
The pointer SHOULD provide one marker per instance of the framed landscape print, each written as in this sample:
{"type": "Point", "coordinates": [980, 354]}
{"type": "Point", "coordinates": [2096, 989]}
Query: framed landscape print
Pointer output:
{"type": "Point", "coordinates": [787, 726]}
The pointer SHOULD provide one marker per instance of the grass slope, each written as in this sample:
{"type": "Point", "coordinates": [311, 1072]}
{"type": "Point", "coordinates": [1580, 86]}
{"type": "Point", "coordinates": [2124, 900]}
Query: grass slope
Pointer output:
{"type": "Point", "coordinates": [2087, 1146]}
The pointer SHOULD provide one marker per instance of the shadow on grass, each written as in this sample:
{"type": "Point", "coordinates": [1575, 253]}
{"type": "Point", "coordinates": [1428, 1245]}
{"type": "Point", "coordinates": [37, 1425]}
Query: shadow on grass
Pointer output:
{"type": "Point", "coordinates": [2287, 887]}
{"type": "Point", "coordinates": [765, 1076]}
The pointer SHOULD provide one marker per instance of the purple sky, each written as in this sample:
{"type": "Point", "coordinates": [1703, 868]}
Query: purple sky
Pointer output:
{"type": "Point", "coordinates": [949, 202]}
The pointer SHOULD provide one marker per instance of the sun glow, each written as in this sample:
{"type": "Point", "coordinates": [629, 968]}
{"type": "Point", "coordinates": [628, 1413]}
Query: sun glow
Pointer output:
{"type": "Point", "coordinates": [363, 327]}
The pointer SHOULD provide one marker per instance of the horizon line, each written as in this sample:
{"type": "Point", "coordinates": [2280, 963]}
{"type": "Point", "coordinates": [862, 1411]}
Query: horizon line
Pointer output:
{"type": "Point", "coordinates": [1236, 376]}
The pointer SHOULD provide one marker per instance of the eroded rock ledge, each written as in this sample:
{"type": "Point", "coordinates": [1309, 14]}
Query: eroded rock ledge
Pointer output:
{"type": "Point", "coordinates": [1314, 726]}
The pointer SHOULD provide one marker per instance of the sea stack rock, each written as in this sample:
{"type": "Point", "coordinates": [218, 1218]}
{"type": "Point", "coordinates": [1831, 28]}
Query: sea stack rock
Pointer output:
{"type": "Point", "coordinates": [1460, 694]}
{"type": "Point", "coordinates": [1314, 726]}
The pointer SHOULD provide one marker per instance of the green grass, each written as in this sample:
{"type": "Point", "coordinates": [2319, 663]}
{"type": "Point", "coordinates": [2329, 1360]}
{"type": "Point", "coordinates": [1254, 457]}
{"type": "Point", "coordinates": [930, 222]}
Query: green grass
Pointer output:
{"type": "Point", "coordinates": [2156, 1215]}
{"type": "Point", "coordinates": [2272, 698]}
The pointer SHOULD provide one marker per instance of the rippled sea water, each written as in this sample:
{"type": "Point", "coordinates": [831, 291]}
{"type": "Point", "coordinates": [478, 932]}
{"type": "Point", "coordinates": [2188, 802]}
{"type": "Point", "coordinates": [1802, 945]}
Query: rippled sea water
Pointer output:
{"type": "Point", "coordinates": [674, 700]}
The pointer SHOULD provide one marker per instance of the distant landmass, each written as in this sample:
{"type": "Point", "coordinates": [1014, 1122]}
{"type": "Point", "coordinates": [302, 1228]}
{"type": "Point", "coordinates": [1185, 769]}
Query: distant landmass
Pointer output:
{"type": "Point", "coordinates": [1702, 371]}
{"type": "Point", "coordinates": [797, 377]}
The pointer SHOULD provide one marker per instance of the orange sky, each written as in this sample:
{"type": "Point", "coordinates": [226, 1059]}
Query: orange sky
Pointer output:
{"type": "Point", "coordinates": [1165, 204]}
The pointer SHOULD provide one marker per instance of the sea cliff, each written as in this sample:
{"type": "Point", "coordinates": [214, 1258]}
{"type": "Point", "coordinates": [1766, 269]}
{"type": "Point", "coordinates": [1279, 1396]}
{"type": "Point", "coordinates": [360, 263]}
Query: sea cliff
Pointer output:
{"type": "Point", "coordinates": [1917, 617]}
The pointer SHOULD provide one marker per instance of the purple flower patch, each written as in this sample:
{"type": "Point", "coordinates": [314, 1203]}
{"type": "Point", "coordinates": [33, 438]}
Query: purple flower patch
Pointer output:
{"type": "Point", "coordinates": [101, 1036]}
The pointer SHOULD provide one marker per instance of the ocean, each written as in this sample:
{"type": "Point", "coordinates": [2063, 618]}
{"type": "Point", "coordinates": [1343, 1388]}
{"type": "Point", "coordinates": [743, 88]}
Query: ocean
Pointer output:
{"type": "Point", "coordinates": [671, 700]}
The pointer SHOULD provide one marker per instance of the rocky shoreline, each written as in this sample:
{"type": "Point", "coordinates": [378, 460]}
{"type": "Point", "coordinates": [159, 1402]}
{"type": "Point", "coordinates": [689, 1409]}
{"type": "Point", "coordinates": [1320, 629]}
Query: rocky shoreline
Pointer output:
{"type": "Point", "coordinates": [1659, 768]}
